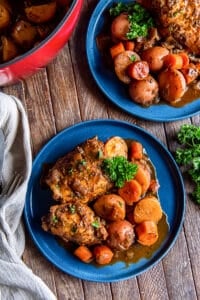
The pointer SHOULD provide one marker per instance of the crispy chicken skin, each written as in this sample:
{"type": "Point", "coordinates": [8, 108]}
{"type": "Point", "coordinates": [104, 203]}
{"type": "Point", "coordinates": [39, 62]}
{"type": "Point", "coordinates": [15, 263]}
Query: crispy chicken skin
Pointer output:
{"type": "Point", "coordinates": [179, 19]}
{"type": "Point", "coordinates": [75, 222]}
{"type": "Point", "coordinates": [78, 174]}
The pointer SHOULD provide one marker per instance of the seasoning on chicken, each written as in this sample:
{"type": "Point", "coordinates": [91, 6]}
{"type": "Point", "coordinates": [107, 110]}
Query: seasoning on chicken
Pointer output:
{"type": "Point", "coordinates": [179, 19]}
{"type": "Point", "coordinates": [75, 222]}
{"type": "Point", "coordinates": [78, 174]}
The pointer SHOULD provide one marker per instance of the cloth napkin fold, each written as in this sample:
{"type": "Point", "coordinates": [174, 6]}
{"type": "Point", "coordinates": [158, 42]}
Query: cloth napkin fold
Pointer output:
{"type": "Point", "coordinates": [17, 281]}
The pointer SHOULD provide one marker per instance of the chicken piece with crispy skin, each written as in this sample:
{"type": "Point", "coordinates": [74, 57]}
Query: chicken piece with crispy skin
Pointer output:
{"type": "Point", "coordinates": [75, 222]}
{"type": "Point", "coordinates": [179, 19]}
{"type": "Point", "coordinates": [78, 175]}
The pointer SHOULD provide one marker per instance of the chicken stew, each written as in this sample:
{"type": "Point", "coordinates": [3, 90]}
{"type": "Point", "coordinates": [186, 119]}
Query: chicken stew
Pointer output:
{"type": "Point", "coordinates": [108, 207]}
{"type": "Point", "coordinates": [144, 47]}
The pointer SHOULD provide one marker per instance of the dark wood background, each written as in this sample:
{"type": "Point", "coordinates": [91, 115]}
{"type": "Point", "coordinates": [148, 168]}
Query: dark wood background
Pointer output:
{"type": "Point", "coordinates": [63, 94]}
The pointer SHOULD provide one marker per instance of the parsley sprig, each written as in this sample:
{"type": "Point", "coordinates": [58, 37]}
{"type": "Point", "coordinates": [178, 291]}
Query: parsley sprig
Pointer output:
{"type": "Point", "coordinates": [139, 18]}
{"type": "Point", "coordinates": [119, 169]}
{"type": "Point", "coordinates": [188, 155]}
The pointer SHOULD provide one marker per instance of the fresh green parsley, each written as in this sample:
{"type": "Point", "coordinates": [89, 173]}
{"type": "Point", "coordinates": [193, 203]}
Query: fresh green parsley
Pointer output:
{"type": "Point", "coordinates": [139, 18]}
{"type": "Point", "coordinates": [72, 208]}
{"type": "Point", "coordinates": [95, 224]}
{"type": "Point", "coordinates": [133, 58]}
{"type": "Point", "coordinates": [188, 155]}
{"type": "Point", "coordinates": [119, 169]}
{"type": "Point", "coordinates": [54, 219]}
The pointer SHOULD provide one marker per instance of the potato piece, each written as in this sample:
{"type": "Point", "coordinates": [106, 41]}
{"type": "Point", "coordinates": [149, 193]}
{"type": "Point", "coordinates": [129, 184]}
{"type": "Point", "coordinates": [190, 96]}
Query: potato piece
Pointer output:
{"type": "Point", "coordinates": [121, 63]}
{"type": "Point", "coordinates": [9, 49]}
{"type": "Point", "coordinates": [154, 56]}
{"type": "Point", "coordinates": [172, 85]}
{"type": "Point", "coordinates": [4, 17]}
{"type": "Point", "coordinates": [144, 92]}
{"type": "Point", "coordinates": [120, 235]}
{"type": "Point", "coordinates": [120, 27]}
{"type": "Point", "coordinates": [110, 207]}
{"type": "Point", "coordinates": [115, 146]}
{"type": "Point", "coordinates": [147, 209]}
{"type": "Point", "coordinates": [41, 13]}
{"type": "Point", "coordinates": [24, 34]}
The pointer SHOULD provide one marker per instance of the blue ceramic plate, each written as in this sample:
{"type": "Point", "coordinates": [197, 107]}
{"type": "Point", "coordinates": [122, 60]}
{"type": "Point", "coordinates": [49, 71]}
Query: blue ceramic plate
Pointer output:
{"type": "Point", "coordinates": [114, 89]}
{"type": "Point", "coordinates": [38, 200]}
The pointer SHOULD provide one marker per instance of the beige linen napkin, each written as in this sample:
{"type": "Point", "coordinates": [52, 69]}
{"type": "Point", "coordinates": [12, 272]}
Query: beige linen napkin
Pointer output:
{"type": "Point", "coordinates": [17, 281]}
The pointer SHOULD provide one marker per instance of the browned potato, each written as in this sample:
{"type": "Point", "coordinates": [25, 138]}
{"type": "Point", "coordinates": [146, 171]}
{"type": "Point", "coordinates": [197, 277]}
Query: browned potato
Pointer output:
{"type": "Point", "coordinates": [120, 235]}
{"type": "Point", "coordinates": [43, 30]}
{"type": "Point", "coordinates": [120, 27]}
{"type": "Point", "coordinates": [115, 146]}
{"type": "Point", "coordinates": [41, 13]}
{"type": "Point", "coordinates": [172, 85]}
{"type": "Point", "coordinates": [154, 56]}
{"type": "Point", "coordinates": [121, 63]}
{"type": "Point", "coordinates": [144, 92]}
{"type": "Point", "coordinates": [4, 17]}
{"type": "Point", "coordinates": [110, 207]}
{"type": "Point", "coordinates": [24, 34]}
{"type": "Point", "coordinates": [9, 49]}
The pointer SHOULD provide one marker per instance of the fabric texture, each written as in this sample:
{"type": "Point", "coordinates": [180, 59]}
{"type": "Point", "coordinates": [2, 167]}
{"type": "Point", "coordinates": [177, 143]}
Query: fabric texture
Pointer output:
{"type": "Point", "coordinates": [17, 281]}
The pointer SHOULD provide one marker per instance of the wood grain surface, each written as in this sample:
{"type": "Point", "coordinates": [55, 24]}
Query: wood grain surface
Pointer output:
{"type": "Point", "coordinates": [62, 94]}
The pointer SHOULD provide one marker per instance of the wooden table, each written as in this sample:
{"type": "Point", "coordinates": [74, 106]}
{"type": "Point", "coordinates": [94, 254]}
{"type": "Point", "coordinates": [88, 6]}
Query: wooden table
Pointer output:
{"type": "Point", "coordinates": [63, 94]}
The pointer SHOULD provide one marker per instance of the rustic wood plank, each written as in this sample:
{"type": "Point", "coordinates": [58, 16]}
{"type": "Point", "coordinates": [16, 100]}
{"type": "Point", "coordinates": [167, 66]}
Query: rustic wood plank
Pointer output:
{"type": "Point", "coordinates": [180, 281]}
{"type": "Point", "coordinates": [127, 289]}
{"type": "Point", "coordinates": [63, 90]}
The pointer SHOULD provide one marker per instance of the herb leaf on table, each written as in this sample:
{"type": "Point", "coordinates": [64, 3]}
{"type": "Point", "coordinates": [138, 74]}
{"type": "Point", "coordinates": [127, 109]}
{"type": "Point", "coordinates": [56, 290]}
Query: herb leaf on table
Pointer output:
{"type": "Point", "coordinates": [188, 155]}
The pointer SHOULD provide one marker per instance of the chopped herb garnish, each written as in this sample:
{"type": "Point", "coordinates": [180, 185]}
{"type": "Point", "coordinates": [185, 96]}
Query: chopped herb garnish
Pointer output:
{"type": "Point", "coordinates": [120, 204]}
{"type": "Point", "coordinates": [72, 208]}
{"type": "Point", "coordinates": [95, 224]}
{"type": "Point", "coordinates": [119, 169]}
{"type": "Point", "coordinates": [99, 154]}
{"type": "Point", "coordinates": [133, 58]}
{"type": "Point", "coordinates": [70, 171]}
{"type": "Point", "coordinates": [139, 18]}
{"type": "Point", "coordinates": [54, 219]}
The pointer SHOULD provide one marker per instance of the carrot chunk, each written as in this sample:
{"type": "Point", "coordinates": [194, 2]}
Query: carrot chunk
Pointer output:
{"type": "Point", "coordinates": [174, 61]}
{"type": "Point", "coordinates": [131, 191]}
{"type": "Point", "coordinates": [147, 209]}
{"type": "Point", "coordinates": [147, 233]}
{"type": "Point", "coordinates": [129, 45]}
{"type": "Point", "coordinates": [83, 253]}
{"type": "Point", "coordinates": [117, 49]}
{"type": "Point", "coordinates": [136, 150]}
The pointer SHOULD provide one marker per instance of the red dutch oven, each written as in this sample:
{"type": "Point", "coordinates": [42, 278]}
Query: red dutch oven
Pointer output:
{"type": "Point", "coordinates": [30, 62]}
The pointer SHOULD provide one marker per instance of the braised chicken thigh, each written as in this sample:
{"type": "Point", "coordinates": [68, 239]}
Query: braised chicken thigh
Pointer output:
{"type": "Point", "coordinates": [78, 175]}
{"type": "Point", "coordinates": [75, 222]}
{"type": "Point", "coordinates": [178, 19]}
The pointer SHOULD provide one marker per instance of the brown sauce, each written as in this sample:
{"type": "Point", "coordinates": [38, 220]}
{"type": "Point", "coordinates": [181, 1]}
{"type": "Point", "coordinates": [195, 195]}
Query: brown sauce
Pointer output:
{"type": "Point", "coordinates": [137, 251]}
{"type": "Point", "coordinates": [190, 95]}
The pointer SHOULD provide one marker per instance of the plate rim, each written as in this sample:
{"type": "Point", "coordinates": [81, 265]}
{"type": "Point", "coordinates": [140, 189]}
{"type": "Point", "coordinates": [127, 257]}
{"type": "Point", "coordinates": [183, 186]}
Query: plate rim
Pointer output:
{"type": "Point", "coordinates": [170, 242]}
{"type": "Point", "coordinates": [96, 14]}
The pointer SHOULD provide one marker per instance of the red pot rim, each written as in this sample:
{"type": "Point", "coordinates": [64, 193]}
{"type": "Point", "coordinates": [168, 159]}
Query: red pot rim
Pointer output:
{"type": "Point", "coordinates": [43, 42]}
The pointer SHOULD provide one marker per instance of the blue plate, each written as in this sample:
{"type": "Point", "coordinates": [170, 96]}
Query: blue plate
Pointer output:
{"type": "Point", "coordinates": [114, 89]}
{"type": "Point", "coordinates": [38, 200]}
